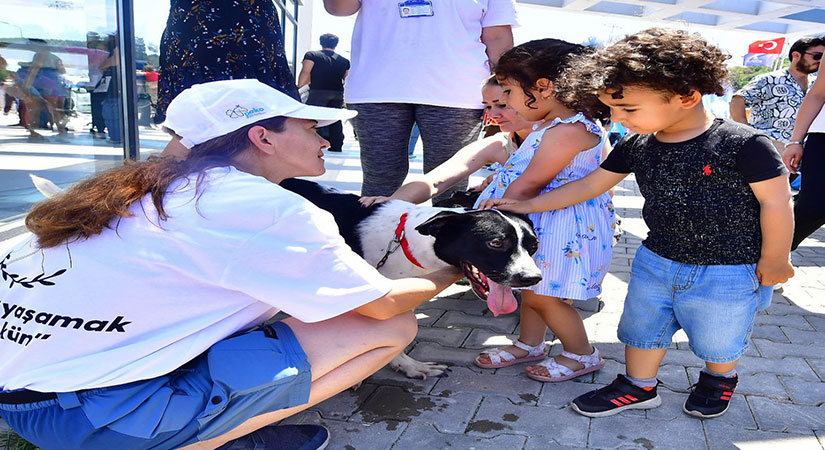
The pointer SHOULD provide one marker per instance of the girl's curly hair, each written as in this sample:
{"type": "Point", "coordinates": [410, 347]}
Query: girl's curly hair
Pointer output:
{"type": "Point", "coordinates": [671, 61]}
{"type": "Point", "coordinates": [548, 58]}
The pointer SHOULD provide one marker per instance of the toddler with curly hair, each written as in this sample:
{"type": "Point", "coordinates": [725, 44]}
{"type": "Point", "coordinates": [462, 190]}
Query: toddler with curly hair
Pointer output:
{"type": "Point", "coordinates": [717, 204]}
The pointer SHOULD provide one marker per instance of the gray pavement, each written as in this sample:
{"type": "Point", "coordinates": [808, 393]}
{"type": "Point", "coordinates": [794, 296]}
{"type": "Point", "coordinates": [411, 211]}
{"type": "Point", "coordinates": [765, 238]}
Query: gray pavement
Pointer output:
{"type": "Point", "coordinates": [780, 402]}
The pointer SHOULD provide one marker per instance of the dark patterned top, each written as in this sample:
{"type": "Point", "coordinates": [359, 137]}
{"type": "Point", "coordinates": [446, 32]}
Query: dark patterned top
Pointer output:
{"type": "Point", "coordinates": [774, 99]}
{"type": "Point", "coordinates": [698, 204]}
{"type": "Point", "coordinates": [209, 40]}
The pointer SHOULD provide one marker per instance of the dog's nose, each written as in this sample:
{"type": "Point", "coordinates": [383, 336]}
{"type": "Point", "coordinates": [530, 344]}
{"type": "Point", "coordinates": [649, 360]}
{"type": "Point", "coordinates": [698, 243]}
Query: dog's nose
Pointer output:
{"type": "Point", "coordinates": [522, 279]}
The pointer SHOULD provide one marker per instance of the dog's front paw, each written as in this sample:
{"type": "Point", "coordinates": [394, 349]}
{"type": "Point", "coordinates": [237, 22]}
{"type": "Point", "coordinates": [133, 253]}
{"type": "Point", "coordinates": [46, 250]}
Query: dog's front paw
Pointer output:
{"type": "Point", "coordinates": [413, 368]}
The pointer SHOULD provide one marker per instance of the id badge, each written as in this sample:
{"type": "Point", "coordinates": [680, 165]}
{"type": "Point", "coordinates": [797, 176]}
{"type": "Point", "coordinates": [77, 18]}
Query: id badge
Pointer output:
{"type": "Point", "coordinates": [415, 8]}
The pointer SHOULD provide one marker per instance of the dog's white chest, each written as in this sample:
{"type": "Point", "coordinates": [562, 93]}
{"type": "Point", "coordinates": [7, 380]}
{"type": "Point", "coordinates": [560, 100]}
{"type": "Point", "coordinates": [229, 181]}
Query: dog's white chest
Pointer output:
{"type": "Point", "coordinates": [380, 243]}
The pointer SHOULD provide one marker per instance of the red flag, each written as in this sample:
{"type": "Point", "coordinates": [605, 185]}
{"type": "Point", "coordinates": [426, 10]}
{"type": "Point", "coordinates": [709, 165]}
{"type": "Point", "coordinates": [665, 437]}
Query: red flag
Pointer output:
{"type": "Point", "coordinates": [772, 46]}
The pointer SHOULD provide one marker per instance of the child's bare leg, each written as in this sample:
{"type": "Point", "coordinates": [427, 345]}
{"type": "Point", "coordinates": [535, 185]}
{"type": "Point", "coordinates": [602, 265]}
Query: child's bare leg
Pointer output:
{"type": "Point", "coordinates": [721, 367]}
{"type": "Point", "coordinates": [565, 322]}
{"type": "Point", "coordinates": [643, 363]}
{"type": "Point", "coordinates": [533, 329]}
{"type": "Point", "coordinates": [532, 333]}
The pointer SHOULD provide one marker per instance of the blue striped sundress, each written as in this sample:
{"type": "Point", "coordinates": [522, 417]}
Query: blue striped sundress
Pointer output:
{"type": "Point", "coordinates": [575, 243]}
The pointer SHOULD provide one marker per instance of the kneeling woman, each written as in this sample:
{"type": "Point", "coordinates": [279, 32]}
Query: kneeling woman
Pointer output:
{"type": "Point", "coordinates": [126, 317]}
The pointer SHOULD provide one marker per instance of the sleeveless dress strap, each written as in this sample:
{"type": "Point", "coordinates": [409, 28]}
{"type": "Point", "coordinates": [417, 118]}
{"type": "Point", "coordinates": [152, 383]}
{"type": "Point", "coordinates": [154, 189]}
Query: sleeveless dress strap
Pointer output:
{"type": "Point", "coordinates": [581, 118]}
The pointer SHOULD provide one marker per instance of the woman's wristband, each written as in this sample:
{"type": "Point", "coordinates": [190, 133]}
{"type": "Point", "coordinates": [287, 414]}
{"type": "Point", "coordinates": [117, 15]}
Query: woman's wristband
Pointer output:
{"type": "Point", "coordinates": [790, 143]}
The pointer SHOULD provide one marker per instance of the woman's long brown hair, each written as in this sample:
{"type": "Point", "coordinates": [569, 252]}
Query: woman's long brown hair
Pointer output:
{"type": "Point", "coordinates": [98, 202]}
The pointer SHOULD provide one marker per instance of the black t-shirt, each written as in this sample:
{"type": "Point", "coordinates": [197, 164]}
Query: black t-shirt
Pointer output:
{"type": "Point", "coordinates": [698, 205]}
{"type": "Point", "coordinates": [328, 71]}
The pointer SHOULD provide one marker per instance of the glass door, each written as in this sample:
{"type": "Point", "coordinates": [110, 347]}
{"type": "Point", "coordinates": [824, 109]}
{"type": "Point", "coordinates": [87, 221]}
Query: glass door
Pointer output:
{"type": "Point", "coordinates": [62, 103]}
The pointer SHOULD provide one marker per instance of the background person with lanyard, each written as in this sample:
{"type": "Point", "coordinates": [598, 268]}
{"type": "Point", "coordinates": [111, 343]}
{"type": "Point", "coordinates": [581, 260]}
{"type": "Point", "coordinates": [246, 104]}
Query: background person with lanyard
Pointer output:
{"type": "Point", "coordinates": [419, 61]}
{"type": "Point", "coordinates": [136, 294]}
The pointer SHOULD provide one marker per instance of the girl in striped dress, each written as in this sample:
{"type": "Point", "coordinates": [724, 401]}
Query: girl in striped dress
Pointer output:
{"type": "Point", "coordinates": [575, 244]}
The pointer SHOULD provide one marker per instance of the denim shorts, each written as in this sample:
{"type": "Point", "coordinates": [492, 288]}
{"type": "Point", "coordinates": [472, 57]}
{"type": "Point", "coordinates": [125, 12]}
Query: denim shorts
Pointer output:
{"type": "Point", "coordinates": [236, 379]}
{"type": "Point", "coordinates": [714, 304]}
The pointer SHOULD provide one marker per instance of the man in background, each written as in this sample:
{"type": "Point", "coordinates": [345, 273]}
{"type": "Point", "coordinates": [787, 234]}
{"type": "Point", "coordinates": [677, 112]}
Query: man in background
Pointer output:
{"type": "Point", "coordinates": [324, 71]}
{"type": "Point", "coordinates": [774, 98]}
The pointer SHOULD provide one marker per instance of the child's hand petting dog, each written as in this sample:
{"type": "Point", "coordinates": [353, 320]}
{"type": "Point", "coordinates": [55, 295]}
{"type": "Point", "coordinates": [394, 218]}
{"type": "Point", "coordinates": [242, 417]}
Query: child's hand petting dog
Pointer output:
{"type": "Point", "coordinates": [369, 201]}
{"type": "Point", "coordinates": [507, 204]}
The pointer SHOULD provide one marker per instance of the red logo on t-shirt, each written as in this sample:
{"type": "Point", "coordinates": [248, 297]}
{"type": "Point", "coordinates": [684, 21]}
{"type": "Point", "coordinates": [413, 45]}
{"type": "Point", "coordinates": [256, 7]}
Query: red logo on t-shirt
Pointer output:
{"type": "Point", "coordinates": [706, 170]}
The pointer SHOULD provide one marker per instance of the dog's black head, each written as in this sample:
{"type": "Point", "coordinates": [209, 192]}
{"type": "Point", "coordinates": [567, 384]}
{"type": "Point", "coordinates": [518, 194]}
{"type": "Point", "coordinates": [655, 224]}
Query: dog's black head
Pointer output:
{"type": "Point", "coordinates": [459, 199]}
{"type": "Point", "coordinates": [493, 248]}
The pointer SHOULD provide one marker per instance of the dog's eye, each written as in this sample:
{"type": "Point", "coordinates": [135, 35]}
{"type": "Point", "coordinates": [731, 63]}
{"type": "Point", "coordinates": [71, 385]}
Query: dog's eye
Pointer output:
{"type": "Point", "coordinates": [496, 243]}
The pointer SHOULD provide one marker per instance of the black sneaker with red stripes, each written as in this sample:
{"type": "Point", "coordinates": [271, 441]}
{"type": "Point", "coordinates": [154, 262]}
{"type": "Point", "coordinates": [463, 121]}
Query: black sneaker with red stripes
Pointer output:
{"type": "Point", "coordinates": [710, 397]}
{"type": "Point", "coordinates": [616, 397]}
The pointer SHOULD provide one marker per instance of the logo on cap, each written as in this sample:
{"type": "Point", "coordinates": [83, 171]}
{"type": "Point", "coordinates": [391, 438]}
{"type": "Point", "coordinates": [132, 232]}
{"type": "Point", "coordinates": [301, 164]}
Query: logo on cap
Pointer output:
{"type": "Point", "coordinates": [236, 112]}
{"type": "Point", "coordinates": [239, 111]}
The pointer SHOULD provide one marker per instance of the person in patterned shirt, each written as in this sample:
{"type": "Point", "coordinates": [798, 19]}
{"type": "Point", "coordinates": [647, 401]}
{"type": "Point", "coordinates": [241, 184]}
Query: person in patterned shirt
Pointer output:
{"type": "Point", "coordinates": [774, 98]}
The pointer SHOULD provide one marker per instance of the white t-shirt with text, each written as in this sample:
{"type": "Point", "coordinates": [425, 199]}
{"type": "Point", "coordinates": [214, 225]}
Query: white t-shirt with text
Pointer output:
{"type": "Point", "coordinates": [142, 298]}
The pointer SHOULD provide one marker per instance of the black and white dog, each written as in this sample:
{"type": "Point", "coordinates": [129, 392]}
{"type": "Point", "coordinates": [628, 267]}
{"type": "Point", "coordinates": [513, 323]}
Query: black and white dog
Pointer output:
{"type": "Point", "coordinates": [401, 239]}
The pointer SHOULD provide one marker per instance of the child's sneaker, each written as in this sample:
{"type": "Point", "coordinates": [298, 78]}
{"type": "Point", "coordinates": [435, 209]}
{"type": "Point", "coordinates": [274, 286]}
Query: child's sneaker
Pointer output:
{"type": "Point", "coordinates": [711, 396]}
{"type": "Point", "coordinates": [616, 397]}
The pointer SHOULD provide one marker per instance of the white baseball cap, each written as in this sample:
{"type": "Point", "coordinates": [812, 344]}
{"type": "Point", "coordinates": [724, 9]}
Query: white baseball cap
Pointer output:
{"type": "Point", "coordinates": [209, 110]}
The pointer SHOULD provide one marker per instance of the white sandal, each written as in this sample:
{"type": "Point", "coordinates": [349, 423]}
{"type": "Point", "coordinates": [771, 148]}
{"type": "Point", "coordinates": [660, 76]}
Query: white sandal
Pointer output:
{"type": "Point", "coordinates": [559, 372]}
{"type": "Point", "coordinates": [502, 358]}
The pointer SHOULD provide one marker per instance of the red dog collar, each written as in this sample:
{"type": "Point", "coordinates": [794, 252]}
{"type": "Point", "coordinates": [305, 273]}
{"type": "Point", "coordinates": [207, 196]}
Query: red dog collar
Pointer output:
{"type": "Point", "coordinates": [405, 246]}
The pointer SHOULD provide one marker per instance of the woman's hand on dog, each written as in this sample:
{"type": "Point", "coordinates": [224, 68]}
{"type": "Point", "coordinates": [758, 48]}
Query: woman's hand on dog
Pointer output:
{"type": "Point", "coordinates": [369, 201]}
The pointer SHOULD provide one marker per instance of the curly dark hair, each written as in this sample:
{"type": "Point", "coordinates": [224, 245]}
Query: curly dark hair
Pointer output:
{"type": "Point", "coordinates": [670, 61]}
{"type": "Point", "coordinates": [548, 58]}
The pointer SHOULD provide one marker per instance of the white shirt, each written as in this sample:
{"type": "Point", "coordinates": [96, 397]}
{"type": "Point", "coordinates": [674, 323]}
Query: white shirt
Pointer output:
{"type": "Point", "coordinates": [139, 300]}
{"type": "Point", "coordinates": [438, 60]}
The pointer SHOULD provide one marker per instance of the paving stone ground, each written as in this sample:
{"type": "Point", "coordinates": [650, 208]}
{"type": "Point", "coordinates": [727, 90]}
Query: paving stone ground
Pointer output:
{"type": "Point", "coordinates": [780, 403]}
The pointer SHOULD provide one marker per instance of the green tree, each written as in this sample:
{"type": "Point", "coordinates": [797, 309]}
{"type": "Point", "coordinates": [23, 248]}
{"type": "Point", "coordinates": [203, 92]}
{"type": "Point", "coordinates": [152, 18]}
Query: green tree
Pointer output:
{"type": "Point", "coordinates": [739, 76]}
{"type": "Point", "coordinates": [140, 49]}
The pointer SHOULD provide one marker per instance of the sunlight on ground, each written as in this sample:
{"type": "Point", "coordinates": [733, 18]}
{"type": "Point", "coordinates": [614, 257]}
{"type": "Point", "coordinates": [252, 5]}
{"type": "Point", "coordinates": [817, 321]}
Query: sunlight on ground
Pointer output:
{"type": "Point", "coordinates": [496, 341]}
{"type": "Point", "coordinates": [773, 444]}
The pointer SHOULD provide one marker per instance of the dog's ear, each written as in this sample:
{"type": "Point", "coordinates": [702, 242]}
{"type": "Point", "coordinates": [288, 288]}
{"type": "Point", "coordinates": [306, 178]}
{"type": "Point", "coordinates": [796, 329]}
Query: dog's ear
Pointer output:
{"type": "Point", "coordinates": [437, 223]}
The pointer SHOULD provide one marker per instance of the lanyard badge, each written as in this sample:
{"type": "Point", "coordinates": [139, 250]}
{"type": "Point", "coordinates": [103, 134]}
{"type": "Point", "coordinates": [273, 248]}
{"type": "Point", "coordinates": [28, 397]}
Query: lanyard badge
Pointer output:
{"type": "Point", "coordinates": [415, 8]}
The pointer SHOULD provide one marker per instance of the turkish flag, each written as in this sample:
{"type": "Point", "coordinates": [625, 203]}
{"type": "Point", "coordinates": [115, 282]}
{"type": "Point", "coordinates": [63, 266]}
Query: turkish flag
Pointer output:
{"type": "Point", "coordinates": [773, 46]}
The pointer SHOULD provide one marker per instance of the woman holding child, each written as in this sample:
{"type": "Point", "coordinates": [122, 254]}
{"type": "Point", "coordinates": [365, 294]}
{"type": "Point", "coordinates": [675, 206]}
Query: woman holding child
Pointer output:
{"type": "Point", "coordinates": [136, 310]}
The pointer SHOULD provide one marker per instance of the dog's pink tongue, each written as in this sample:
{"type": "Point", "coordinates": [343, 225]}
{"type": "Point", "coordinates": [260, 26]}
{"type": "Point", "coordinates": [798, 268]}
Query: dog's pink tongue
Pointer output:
{"type": "Point", "coordinates": [500, 300]}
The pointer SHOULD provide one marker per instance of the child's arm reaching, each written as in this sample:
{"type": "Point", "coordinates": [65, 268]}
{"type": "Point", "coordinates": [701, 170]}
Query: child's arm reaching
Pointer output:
{"type": "Point", "coordinates": [559, 145]}
{"type": "Point", "coordinates": [776, 219]}
{"type": "Point", "coordinates": [461, 165]}
{"type": "Point", "coordinates": [591, 186]}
